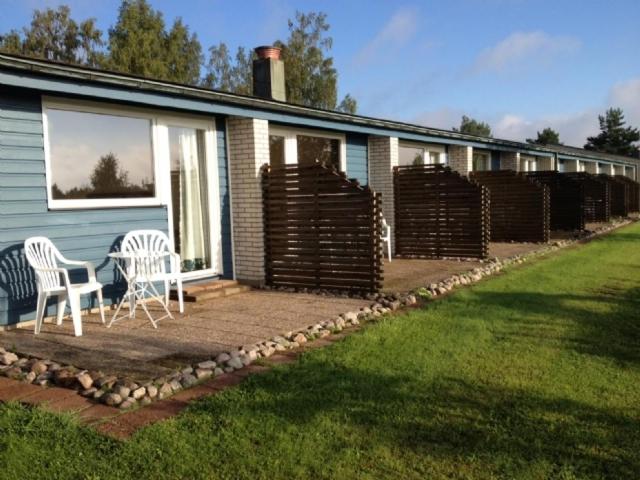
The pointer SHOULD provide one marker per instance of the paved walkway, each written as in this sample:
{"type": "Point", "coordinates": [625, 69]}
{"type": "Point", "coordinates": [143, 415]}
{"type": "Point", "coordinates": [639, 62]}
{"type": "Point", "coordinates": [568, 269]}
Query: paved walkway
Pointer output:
{"type": "Point", "coordinates": [133, 348]}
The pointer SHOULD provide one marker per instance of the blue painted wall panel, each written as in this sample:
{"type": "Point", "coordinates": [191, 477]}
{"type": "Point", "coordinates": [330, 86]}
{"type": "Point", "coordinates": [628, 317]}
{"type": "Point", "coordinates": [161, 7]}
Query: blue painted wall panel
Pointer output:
{"type": "Point", "coordinates": [357, 158]}
{"type": "Point", "coordinates": [225, 198]}
{"type": "Point", "coordinates": [79, 234]}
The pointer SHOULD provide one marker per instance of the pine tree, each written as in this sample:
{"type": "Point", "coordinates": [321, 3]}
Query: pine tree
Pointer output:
{"type": "Point", "coordinates": [548, 136]}
{"type": "Point", "coordinates": [614, 137]}
{"type": "Point", "coordinates": [471, 126]}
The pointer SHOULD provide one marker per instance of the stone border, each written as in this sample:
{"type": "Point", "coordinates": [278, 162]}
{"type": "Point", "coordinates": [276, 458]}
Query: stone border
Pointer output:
{"type": "Point", "coordinates": [125, 394]}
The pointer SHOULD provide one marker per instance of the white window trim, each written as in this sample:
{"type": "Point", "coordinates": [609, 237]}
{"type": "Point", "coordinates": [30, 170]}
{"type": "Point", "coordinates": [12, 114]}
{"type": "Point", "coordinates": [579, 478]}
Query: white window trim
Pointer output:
{"type": "Point", "coordinates": [162, 176]}
{"type": "Point", "coordinates": [93, 107]}
{"type": "Point", "coordinates": [291, 145]}
{"type": "Point", "coordinates": [427, 149]}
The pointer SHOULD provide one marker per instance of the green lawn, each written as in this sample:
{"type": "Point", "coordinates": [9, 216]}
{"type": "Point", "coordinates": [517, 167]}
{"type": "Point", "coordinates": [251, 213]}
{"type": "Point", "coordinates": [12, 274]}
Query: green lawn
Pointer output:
{"type": "Point", "coordinates": [532, 374]}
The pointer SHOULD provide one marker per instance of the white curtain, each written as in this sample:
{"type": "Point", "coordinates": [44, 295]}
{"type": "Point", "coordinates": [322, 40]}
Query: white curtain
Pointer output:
{"type": "Point", "coordinates": [193, 201]}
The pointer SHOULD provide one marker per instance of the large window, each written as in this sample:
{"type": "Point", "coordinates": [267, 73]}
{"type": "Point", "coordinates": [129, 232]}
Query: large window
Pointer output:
{"type": "Point", "coordinates": [481, 161]}
{"type": "Point", "coordinates": [420, 154]}
{"type": "Point", "coordinates": [306, 147]}
{"type": "Point", "coordinates": [97, 158]}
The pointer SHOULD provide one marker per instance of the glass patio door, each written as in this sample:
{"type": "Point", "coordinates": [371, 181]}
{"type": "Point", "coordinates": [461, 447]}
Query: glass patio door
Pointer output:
{"type": "Point", "coordinates": [191, 218]}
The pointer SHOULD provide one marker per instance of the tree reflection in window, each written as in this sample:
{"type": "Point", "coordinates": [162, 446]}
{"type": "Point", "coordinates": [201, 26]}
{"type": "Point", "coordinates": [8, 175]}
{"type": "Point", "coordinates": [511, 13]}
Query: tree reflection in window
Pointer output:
{"type": "Point", "coordinates": [325, 151]}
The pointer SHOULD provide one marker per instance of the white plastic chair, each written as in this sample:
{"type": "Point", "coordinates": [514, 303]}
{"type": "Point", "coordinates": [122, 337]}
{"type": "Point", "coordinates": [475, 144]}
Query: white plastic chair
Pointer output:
{"type": "Point", "coordinates": [386, 236]}
{"type": "Point", "coordinates": [154, 269]}
{"type": "Point", "coordinates": [53, 281]}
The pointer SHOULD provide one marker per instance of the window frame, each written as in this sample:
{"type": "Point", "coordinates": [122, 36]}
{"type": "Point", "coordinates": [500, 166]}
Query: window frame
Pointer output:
{"type": "Point", "coordinates": [426, 151]}
{"type": "Point", "coordinates": [290, 135]}
{"type": "Point", "coordinates": [80, 106]}
{"type": "Point", "coordinates": [486, 155]}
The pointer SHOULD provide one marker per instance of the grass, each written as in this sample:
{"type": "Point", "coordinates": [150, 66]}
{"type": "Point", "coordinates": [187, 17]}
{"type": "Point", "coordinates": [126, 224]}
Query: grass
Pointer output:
{"type": "Point", "coordinates": [534, 374]}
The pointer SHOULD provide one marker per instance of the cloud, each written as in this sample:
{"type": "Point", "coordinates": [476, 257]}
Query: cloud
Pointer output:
{"type": "Point", "coordinates": [574, 127]}
{"type": "Point", "coordinates": [524, 47]}
{"type": "Point", "coordinates": [394, 34]}
{"type": "Point", "coordinates": [627, 96]}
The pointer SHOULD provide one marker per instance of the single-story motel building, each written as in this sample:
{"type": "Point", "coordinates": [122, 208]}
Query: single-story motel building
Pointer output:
{"type": "Point", "coordinates": [88, 155]}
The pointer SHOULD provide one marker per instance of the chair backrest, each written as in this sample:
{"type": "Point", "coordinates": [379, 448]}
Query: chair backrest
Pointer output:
{"type": "Point", "coordinates": [42, 254]}
{"type": "Point", "coordinates": [147, 241]}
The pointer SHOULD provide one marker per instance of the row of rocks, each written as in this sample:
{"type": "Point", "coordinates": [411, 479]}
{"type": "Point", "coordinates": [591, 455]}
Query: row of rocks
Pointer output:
{"type": "Point", "coordinates": [126, 393]}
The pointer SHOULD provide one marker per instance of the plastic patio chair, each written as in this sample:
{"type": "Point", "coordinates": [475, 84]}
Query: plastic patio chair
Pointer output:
{"type": "Point", "coordinates": [53, 281]}
{"type": "Point", "coordinates": [386, 236]}
{"type": "Point", "coordinates": [154, 269]}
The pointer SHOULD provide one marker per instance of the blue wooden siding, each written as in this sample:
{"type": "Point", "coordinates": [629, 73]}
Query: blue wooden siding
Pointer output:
{"type": "Point", "coordinates": [225, 201]}
{"type": "Point", "coordinates": [495, 160]}
{"type": "Point", "coordinates": [357, 158]}
{"type": "Point", "coordinates": [79, 234]}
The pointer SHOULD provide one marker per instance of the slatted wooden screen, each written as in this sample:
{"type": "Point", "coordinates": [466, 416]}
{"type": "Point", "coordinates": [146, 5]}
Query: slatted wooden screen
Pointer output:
{"type": "Point", "coordinates": [322, 230]}
{"type": "Point", "coordinates": [634, 192]}
{"type": "Point", "coordinates": [566, 196]}
{"type": "Point", "coordinates": [520, 206]}
{"type": "Point", "coordinates": [597, 197]}
{"type": "Point", "coordinates": [439, 213]}
{"type": "Point", "coordinates": [619, 195]}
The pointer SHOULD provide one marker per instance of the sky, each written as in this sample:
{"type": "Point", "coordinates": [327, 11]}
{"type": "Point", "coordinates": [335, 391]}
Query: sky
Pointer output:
{"type": "Point", "coordinates": [520, 65]}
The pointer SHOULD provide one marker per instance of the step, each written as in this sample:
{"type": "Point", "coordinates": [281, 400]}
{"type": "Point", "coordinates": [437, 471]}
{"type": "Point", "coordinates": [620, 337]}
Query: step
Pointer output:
{"type": "Point", "coordinates": [198, 292]}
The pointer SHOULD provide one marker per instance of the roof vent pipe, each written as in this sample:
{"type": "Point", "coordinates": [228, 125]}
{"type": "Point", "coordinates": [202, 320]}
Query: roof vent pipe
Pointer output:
{"type": "Point", "coordinates": [268, 74]}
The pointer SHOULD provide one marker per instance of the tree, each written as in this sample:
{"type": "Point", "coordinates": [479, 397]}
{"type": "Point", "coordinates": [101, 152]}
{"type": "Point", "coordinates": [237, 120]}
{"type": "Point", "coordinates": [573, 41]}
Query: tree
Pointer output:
{"type": "Point", "coordinates": [225, 74]}
{"type": "Point", "coordinates": [548, 136]}
{"type": "Point", "coordinates": [614, 137]}
{"type": "Point", "coordinates": [348, 104]}
{"type": "Point", "coordinates": [139, 44]}
{"type": "Point", "coordinates": [311, 78]}
{"type": "Point", "coordinates": [471, 126]}
{"type": "Point", "coordinates": [54, 35]}
{"type": "Point", "coordinates": [136, 41]}
{"type": "Point", "coordinates": [183, 54]}
{"type": "Point", "coordinates": [108, 176]}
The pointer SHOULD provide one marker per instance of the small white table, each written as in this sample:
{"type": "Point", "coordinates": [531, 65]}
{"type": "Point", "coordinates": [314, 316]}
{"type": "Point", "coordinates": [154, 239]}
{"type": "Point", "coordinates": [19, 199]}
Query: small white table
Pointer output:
{"type": "Point", "coordinates": [139, 284]}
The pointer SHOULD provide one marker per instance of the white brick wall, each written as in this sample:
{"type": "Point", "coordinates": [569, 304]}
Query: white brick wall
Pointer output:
{"type": "Point", "coordinates": [248, 151]}
{"type": "Point", "coordinates": [460, 158]}
{"type": "Point", "coordinates": [383, 156]}
{"type": "Point", "coordinates": [510, 161]}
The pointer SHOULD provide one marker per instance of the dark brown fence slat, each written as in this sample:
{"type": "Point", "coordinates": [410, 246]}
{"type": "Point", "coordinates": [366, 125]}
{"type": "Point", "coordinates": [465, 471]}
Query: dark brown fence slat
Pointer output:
{"type": "Point", "coordinates": [619, 195]}
{"type": "Point", "coordinates": [597, 197]}
{"type": "Point", "coordinates": [566, 197]}
{"type": "Point", "coordinates": [439, 213]}
{"type": "Point", "coordinates": [519, 206]}
{"type": "Point", "coordinates": [321, 230]}
{"type": "Point", "coordinates": [634, 192]}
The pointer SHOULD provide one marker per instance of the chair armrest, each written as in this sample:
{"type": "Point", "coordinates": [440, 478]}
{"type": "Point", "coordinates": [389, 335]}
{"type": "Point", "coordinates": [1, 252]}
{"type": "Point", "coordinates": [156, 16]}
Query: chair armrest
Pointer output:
{"type": "Point", "coordinates": [91, 271]}
{"type": "Point", "coordinates": [63, 271]}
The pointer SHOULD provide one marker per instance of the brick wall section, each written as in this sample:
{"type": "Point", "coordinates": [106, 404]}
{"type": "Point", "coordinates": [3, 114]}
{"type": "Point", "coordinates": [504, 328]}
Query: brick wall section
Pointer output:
{"type": "Point", "coordinates": [248, 151]}
{"type": "Point", "coordinates": [510, 161]}
{"type": "Point", "coordinates": [383, 156]}
{"type": "Point", "coordinates": [460, 158]}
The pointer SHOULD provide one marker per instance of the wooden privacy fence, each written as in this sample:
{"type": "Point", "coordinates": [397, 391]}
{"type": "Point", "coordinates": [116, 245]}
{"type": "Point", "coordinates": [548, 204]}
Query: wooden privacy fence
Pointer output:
{"type": "Point", "coordinates": [619, 192]}
{"type": "Point", "coordinates": [597, 197]}
{"type": "Point", "coordinates": [519, 206]}
{"type": "Point", "coordinates": [321, 230]}
{"type": "Point", "coordinates": [634, 192]}
{"type": "Point", "coordinates": [439, 213]}
{"type": "Point", "coordinates": [566, 199]}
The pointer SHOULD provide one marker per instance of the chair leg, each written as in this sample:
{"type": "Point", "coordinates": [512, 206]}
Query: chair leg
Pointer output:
{"type": "Point", "coordinates": [389, 249]}
{"type": "Point", "coordinates": [167, 288]}
{"type": "Point", "coordinates": [42, 303]}
{"type": "Point", "coordinates": [100, 304]}
{"type": "Point", "coordinates": [180, 293]}
{"type": "Point", "coordinates": [132, 305]}
{"type": "Point", "coordinates": [62, 304]}
{"type": "Point", "coordinates": [74, 300]}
